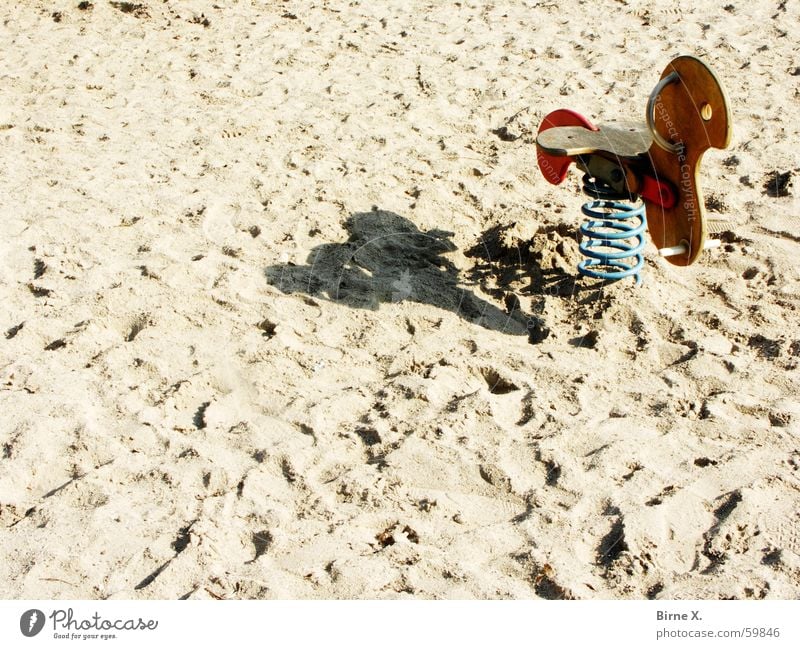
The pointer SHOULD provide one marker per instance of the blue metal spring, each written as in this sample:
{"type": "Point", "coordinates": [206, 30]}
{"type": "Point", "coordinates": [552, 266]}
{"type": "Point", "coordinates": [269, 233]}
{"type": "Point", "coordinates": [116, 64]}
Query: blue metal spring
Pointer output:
{"type": "Point", "coordinates": [614, 236]}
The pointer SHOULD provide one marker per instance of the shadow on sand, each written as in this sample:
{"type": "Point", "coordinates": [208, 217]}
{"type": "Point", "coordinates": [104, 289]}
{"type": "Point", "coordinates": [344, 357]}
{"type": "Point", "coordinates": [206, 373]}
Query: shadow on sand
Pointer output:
{"type": "Point", "coordinates": [386, 258]}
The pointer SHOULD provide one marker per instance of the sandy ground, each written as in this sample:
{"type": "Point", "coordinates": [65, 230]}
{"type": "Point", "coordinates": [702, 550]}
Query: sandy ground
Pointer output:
{"type": "Point", "coordinates": [284, 317]}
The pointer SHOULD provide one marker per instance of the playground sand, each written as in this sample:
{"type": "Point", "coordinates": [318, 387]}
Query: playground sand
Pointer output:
{"type": "Point", "coordinates": [290, 312]}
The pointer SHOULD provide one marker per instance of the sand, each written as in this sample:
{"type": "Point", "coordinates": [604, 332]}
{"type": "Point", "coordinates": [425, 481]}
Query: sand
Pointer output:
{"type": "Point", "coordinates": [288, 314]}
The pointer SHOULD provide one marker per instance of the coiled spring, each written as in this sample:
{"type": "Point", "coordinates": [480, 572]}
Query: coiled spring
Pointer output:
{"type": "Point", "coordinates": [614, 236]}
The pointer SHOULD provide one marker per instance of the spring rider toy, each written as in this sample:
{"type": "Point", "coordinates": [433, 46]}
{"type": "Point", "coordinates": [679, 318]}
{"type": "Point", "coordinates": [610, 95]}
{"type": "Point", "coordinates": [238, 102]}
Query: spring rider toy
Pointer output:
{"type": "Point", "coordinates": [658, 160]}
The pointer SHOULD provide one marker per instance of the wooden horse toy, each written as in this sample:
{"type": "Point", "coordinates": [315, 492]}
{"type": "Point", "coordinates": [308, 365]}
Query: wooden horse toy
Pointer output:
{"type": "Point", "coordinates": [657, 160]}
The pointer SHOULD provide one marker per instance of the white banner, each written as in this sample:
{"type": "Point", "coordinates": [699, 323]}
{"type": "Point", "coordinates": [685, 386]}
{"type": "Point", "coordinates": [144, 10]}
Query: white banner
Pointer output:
{"type": "Point", "coordinates": [399, 624]}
